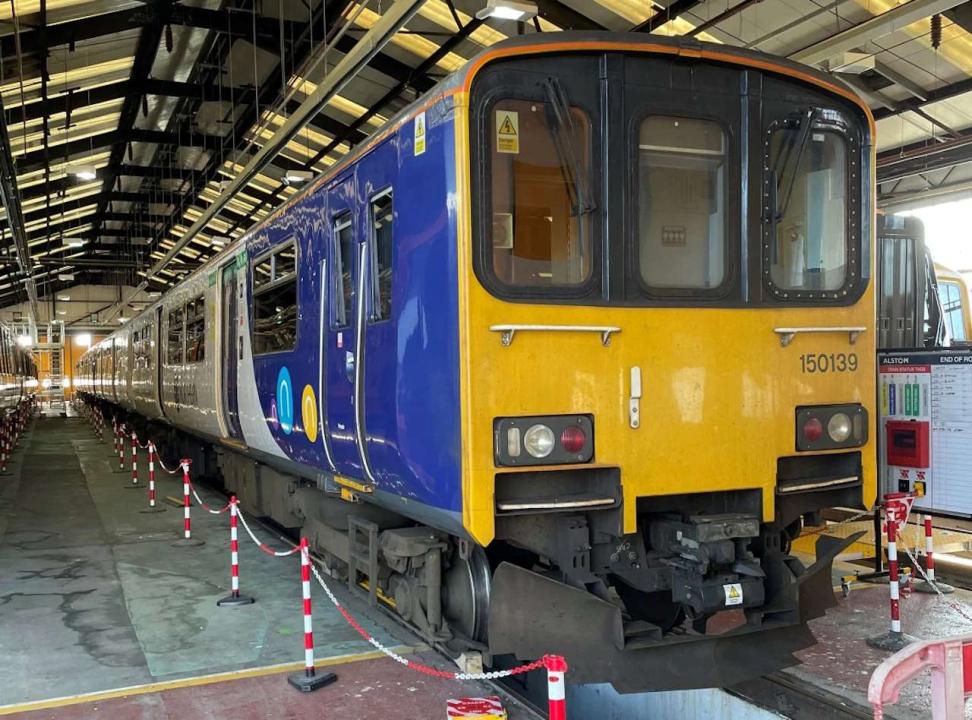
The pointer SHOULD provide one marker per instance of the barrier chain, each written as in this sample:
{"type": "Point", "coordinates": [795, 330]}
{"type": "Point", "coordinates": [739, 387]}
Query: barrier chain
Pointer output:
{"type": "Point", "coordinates": [957, 607]}
{"type": "Point", "coordinates": [206, 507]}
{"type": "Point", "coordinates": [263, 546]}
{"type": "Point", "coordinates": [555, 665]}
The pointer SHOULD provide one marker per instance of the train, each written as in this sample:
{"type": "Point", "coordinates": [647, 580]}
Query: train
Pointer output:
{"type": "Point", "coordinates": [559, 360]}
{"type": "Point", "coordinates": [953, 294]}
{"type": "Point", "coordinates": [18, 371]}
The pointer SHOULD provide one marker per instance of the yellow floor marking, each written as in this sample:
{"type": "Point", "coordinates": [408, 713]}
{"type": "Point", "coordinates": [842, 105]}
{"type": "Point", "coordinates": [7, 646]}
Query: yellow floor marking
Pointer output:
{"type": "Point", "coordinates": [200, 680]}
{"type": "Point", "coordinates": [912, 536]}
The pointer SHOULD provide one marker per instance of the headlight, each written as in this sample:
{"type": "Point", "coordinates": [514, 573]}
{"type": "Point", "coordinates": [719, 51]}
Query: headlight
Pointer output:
{"type": "Point", "coordinates": [839, 427]}
{"type": "Point", "coordinates": [845, 424]}
{"type": "Point", "coordinates": [539, 440]}
{"type": "Point", "coordinates": [543, 440]}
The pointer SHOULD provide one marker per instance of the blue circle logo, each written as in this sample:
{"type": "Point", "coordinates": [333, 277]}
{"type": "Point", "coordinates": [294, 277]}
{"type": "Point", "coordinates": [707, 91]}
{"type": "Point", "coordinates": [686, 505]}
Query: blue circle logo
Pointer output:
{"type": "Point", "coordinates": [285, 401]}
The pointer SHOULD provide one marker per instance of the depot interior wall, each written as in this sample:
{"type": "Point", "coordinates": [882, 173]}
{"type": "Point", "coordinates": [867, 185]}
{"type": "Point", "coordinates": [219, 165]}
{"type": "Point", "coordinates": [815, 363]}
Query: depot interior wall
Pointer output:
{"type": "Point", "coordinates": [81, 309]}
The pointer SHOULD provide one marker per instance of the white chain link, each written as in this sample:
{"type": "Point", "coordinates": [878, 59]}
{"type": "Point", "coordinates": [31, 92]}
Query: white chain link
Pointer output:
{"type": "Point", "coordinates": [958, 607]}
{"type": "Point", "coordinates": [492, 675]}
{"type": "Point", "coordinates": [284, 553]}
{"type": "Point", "coordinates": [203, 505]}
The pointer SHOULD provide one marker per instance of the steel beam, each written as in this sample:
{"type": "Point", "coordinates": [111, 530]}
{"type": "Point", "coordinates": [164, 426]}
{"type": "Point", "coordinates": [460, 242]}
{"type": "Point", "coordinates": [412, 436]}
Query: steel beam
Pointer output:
{"type": "Point", "coordinates": [895, 165]}
{"type": "Point", "coordinates": [676, 9]}
{"type": "Point", "coordinates": [392, 20]}
{"type": "Point", "coordinates": [396, 91]}
{"type": "Point", "coordinates": [10, 196]}
{"type": "Point", "coordinates": [884, 24]}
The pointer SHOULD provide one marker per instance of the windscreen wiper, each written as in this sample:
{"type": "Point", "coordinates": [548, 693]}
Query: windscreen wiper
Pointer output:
{"type": "Point", "coordinates": [559, 117]}
{"type": "Point", "coordinates": [777, 210]}
{"type": "Point", "coordinates": [805, 126]}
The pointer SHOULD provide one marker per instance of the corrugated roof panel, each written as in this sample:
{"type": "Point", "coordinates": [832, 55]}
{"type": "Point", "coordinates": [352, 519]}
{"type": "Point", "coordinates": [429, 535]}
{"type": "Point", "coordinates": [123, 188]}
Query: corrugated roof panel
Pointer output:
{"type": "Point", "coordinates": [415, 44]}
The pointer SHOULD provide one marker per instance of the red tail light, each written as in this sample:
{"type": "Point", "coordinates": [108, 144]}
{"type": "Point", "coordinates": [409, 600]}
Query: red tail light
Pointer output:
{"type": "Point", "coordinates": [572, 439]}
{"type": "Point", "coordinates": [812, 430]}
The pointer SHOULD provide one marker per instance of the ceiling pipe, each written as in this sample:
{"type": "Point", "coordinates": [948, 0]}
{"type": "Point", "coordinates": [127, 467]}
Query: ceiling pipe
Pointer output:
{"type": "Point", "coordinates": [391, 21]}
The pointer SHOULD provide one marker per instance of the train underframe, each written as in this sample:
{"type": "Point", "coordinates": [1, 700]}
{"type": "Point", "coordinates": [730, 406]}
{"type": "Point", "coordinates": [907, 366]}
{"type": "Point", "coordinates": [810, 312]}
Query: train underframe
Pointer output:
{"type": "Point", "coordinates": [679, 604]}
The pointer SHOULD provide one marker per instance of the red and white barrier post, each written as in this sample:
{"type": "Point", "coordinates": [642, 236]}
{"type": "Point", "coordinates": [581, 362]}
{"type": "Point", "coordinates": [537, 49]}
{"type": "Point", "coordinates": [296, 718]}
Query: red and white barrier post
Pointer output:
{"type": "Point", "coordinates": [556, 686]}
{"type": "Point", "coordinates": [152, 508]}
{"type": "Point", "coordinates": [120, 447]}
{"type": "Point", "coordinates": [187, 538]}
{"type": "Point", "coordinates": [930, 584]}
{"type": "Point", "coordinates": [234, 598]}
{"type": "Point", "coordinates": [4, 449]}
{"type": "Point", "coordinates": [897, 506]}
{"type": "Point", "coordinates": [134, 484]}
{"type": "Point", "coordinates": [309, 680]}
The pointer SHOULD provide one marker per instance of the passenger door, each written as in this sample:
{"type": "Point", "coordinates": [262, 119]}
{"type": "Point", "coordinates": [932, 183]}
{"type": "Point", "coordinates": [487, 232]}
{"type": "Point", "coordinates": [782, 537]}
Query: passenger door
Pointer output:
{"type": "Point", "coordinates": [338, 328]}
{"type": "Point", "coordinates": [232, 347]}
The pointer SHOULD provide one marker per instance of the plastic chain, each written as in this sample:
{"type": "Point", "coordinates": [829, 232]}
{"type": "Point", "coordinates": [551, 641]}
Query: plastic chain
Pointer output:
{"type": "Point", "coordinates": [263, 547]}
{"type": "Point", "coordinates": [417, 666]}
{"type": "Point", "coordinates": [957, 607]}
{"type": "Point", "coordinates": [206, 507]}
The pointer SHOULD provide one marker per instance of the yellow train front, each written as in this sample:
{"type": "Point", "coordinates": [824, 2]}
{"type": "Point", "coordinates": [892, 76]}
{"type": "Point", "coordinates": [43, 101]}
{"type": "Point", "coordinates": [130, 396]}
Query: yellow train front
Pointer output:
{"type": "Point", "coordinates": [666, 347]}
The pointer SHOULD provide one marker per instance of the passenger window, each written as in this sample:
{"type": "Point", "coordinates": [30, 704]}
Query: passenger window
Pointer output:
{"type": "Point", "coordinates": [262, 272]}
{"type": "Point", "coordinates": [196, 330]}
{"type": "Point", "coordinates": [809, 252]}
{"type": "Point", "coordinates": [174, 347]}
{"type": "Point", "coordinates": [541, 189]}
{"type": "Point", "coordinates": [275, 302]}
{"type": "Point", "coordinates": [341, 282]}
{"type": "Point", "coordinates": [285, 262]}
{"type": "Point", "coordinates": [382, 221]}
{"type": "Point", "coordinates": [681, 203]}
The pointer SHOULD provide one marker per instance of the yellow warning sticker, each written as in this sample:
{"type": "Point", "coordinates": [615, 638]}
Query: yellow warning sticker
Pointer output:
{"type": "Point", "coordinates": [734, 594]}
{"type": "Point", "coordinates": [507, 132]}
{"type": "Point", "coordinates": [419, 133]}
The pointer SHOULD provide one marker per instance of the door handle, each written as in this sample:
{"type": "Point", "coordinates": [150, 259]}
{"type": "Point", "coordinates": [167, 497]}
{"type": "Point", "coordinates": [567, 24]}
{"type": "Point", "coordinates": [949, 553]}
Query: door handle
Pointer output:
{"type": "Point", "coordinates": [349, 364]}
{"type": "Point", "coordinates": [634, 401]}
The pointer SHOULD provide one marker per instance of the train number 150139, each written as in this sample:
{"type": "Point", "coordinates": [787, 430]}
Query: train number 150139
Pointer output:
{"type": "Point", "coordinates": [828, 362]}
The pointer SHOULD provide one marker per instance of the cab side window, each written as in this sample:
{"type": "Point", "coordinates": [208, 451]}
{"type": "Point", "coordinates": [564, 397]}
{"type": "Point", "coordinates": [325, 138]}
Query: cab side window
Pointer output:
{"type": "Point", "coordinates": [382, 250]}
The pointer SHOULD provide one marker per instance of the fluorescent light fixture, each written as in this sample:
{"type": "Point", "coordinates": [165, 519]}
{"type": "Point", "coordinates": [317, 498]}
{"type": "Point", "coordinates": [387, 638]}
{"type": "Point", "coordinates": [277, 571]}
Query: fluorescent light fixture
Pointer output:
{"type": "Point", "coordinates": [63, 298]}
{"type": "Point", "coordinates": [295, 177]}
{"type": "Point", "coordinates": [508, 10]}
{"type": "Point", "coordinates": [154, 294]}
{"type": "Point", "coordinates": [65, 277]}
{"type": "Point", "coordinates": [85, 172]}
{"type": "Point", "coordinates": [82, 339]}
{"type": "Point", "coordinates": [220, 240]}
{"type": "Point", "coordinates": [122, 318]}
{"type": "Point", "coordinates": [76, 242]}
{"type": "Point", "coordinates": [24, 341]}
{"type": "Point", "coordinates": [62, 312]}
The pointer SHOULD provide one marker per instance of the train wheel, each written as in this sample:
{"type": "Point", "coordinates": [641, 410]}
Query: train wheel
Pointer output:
{"type": "Point", "coordinates": [465, 594]}
{"type": "Point", "coordinates": [654, 607]}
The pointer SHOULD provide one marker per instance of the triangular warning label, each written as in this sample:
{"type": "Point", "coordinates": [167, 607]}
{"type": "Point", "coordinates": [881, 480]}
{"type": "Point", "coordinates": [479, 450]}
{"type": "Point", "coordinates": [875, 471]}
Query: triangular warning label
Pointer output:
{"type": "Point", "coordinates": [506, 128]}
{"type": "Point", "coordinates": [733, 593]}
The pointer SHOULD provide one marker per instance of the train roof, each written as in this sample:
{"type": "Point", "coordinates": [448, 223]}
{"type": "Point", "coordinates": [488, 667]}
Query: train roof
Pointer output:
{"type": "Point", "coordinates": [537, 43]}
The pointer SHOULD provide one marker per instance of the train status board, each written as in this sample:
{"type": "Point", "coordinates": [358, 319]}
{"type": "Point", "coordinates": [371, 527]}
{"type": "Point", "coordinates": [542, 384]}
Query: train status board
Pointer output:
{"type": "Point", "coordinates": [926, 427]}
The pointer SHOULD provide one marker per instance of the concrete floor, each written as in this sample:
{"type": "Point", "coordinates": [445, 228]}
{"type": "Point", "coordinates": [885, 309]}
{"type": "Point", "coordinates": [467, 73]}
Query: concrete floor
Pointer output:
{"type": "Point", "coordinates": [94, 596]}
{"type": "Point", "coordinates": [842, 662]}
